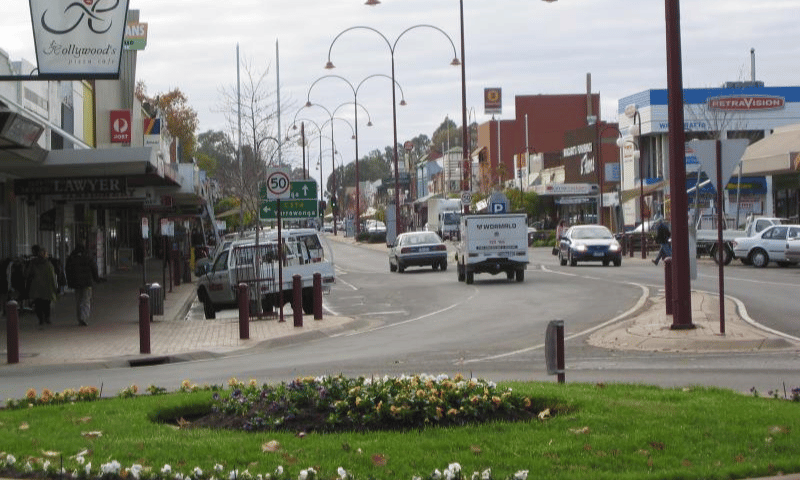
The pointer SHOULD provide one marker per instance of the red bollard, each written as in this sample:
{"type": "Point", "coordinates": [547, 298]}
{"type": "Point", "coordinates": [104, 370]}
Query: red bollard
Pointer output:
{"type": "Point", "coordinates": [244, 312]}
{"type": "Point", "coordinates": [317, 296]}
{"type": "Point", "coordinates": [668, 284]}
{"type": "Point", "coordinates": [176, 259]}
{"type": "Point", "coordinates": [297, 300]}
{"type": "Point", "coordinates": [630, 245]}
{"type": "Point", "coordinates": [144, 323]}
{"type": "Point", "coordinates": [12, 332]}
{"type": "Point", "coordinates": [624, 245]}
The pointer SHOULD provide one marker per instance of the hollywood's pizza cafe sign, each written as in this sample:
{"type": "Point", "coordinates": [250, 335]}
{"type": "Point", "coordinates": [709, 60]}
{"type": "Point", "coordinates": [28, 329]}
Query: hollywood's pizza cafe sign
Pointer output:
{"type": "Point", "coordinates": [741, 103]}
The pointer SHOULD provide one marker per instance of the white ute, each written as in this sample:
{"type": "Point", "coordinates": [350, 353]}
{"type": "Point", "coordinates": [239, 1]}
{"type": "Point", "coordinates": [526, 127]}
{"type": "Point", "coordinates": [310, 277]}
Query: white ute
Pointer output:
{"type": "Point", "coordinates": [492, 244]}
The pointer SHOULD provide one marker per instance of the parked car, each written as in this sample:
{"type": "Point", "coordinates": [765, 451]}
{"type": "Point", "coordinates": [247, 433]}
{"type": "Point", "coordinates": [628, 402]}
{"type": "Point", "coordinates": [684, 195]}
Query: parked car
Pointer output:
{"type": "Point", "coordinates": [375, 227]}
{"type": "Point", "coordinates": [417, 249]}
{"type": "Point", "coordinates": [589, 243]}
{"type": "Point", "coordinates": [766, 246]}
{"type": "Point", "coordinates": [531, 235]}
{"type": "Point", "coordinates": [327, 227]}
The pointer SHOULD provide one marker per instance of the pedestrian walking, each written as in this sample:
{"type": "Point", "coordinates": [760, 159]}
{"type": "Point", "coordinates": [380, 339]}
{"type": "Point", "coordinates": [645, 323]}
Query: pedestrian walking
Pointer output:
{"type": "Point", "coordinates": [81, 271]}
{"type": "Point", "coordinates": [560, 230]}
{"type": "Point", "coordinates": [41, 283]}
{"type": "Point", "coordinates": [662, 238]}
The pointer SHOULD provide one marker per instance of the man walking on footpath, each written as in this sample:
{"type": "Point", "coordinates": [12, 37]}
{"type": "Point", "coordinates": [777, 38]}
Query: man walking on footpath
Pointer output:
{"type": "Point", "coordinates": [662, 238]}
{"type": "Point", "coordinates": [81, 270]}
{"type": "Point", "coordinates": [42, 286]}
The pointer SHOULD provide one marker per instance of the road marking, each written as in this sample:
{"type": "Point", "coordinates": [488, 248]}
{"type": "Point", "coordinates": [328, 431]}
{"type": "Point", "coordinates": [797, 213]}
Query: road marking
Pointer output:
{"type": "Point", "coordinates": [639, 304]}
{"type": "Point", "coordinates": [760, 282]}
{"type": "Point", "coordinates": [353, 287]}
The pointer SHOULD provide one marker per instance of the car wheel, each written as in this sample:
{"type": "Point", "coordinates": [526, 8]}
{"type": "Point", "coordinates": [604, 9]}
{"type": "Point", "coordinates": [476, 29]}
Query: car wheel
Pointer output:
{"type": "Point", "coordinates": [605, 263]}
{"type": "Point", "coordinates": [561, 259]}
{"type": "Point", "coordinates": [308, 300]}
{"type": "Point", "coordinates": [392, 266]}
{"type": "Point", "coordinates": [470, 278]}
{"type": "Point", "coordinates": [617, 262]}
{"type": "Point", "coordinates": [520, 275]}
{"type": "Point", "coordinates": [400, 267]}
{"type": "Point", "coordinates": [572, 260]}
{"type": "Point", "coordinates": [443, 265]}
{"type": "Point", "coordinates": [434, 266]}
{"type": "Point", "coordinates": [759, 258]}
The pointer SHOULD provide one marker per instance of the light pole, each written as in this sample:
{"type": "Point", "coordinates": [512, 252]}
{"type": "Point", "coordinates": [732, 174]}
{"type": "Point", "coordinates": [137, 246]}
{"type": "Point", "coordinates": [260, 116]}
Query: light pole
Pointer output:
{"type": "Point", "coordinates": [634, 131]}
{"type": "Point", "coordinates": [392, 46]}
{"type": "Point", "coordinates": [355, 90]}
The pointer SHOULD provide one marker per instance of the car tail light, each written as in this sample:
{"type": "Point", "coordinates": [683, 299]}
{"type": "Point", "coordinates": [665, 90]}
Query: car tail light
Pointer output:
{"type": "Point", "coordinates": [405, 250]}
{"type": "Point", "coordinates": [440, 247]}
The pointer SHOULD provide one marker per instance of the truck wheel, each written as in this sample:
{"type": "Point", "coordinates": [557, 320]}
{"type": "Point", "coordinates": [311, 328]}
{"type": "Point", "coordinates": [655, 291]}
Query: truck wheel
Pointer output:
{"type": "Point", "coordinates": [510, 275]}
{"type": "Point", "coordinates": [470, 278]}
{"type": "Point", "coordinates": [308, 300]}
{"type": "Point", "coordinates": [460, 273]}
{"type": "Point", "coordinates": [520, 276]}
{"type": "Point", "coordinates": [443, 265]}
{"type": "Point", "coordinates": [759, 258]}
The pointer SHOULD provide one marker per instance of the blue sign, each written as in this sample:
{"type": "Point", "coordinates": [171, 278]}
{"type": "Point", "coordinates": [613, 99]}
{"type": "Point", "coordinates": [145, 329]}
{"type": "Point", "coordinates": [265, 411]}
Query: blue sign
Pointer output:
{"type": "Point", "coordinates": [497, 207]}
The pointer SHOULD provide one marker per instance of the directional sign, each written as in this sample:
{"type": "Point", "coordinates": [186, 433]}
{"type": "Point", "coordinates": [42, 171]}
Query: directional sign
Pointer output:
{"type": "Point", "coordinates": [278, 183]}
{"type": "Point", "coordinates": [303, 189]}
{"type": "Point", "coordinates": [289, 209]}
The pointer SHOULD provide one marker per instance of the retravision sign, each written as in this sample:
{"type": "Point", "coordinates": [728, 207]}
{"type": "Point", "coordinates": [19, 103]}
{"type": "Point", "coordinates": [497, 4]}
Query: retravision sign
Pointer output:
{"type": "Point", "coordinates": [746, 102]}
{"type": "Point", "coordinates": [78, 39]}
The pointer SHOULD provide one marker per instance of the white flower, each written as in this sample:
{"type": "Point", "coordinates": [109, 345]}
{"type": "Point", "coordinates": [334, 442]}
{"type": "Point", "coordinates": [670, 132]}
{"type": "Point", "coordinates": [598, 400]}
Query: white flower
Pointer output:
{"type": "Point", "coordinates": [197, 472]}
{"type": "Point", "coordinates": [88, 468]}
{"type": "Point", "coordinates": [521, 475]}
{"type": "Point", "coordinates": [10, 460]}
{"type": "Point", "coordinates": [112, 467]}
{"type": "Point", "coordinates": [476, 476]}
{"type": "Point", "coordinates": [135, 471]}
{"type": "Point", "coordinates": [279, 470]}
{"type": "Point", "coordinates": [46, 465]}
{"type": "Point", "coordinates": [303, 475]}
{"type": "Point", "coordinates": [492, 384]}
{"type": "Point", "coordinates": [218, 467]}
{"type": "Point", "coordinates": [448, 475]}
{"type": "Point", "coordinates": [233, 474]}
{"type": "Point", "coordinates": [342, 473]}
{"type": "Point", "coordinates": [415, 477]}
{"type": "Point", "coordinates": [179, 476]}
{"type": "Point", "coordinates": [436, 475]}
{"type": "Point", "coordinates": [166, 469]}
{"type": "Point", "coordinates": [80, 459]}
{"type": "Point", "coordinates": [487, 474]}
{"type": "Point", "coordinates": [28, 467]}
{"type": "Point", "coordinates": [454, 467]}
{"type": "Point", "coordinates": [442, 378]}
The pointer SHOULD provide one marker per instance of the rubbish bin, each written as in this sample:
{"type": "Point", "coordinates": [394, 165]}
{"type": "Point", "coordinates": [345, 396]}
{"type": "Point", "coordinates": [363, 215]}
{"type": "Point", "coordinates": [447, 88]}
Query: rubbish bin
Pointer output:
{"type": "Point", "coordinates": [156, 293]}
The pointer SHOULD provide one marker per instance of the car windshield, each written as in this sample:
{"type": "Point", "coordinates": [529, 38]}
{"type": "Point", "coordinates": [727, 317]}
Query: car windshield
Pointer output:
{"type": "Point", "coordinates": [418, 239]}
{"type": "Point", "coordinates": [591, 233]}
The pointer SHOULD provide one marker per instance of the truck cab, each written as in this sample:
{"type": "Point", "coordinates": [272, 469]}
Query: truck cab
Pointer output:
{"type": "Point", "coordinates": [304, 252]}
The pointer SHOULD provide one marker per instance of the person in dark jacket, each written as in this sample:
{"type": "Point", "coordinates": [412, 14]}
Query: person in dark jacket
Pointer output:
{"type": "Point", "coordinates": [41, 282]}
{"type": "Point", "coordinates": [81, 271]}
{"type": "Point", "coordinates": [662, 238]}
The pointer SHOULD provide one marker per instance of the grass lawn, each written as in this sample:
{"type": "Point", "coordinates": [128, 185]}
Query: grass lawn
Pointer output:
{"type": "Point", "coordinates": [591, 432]}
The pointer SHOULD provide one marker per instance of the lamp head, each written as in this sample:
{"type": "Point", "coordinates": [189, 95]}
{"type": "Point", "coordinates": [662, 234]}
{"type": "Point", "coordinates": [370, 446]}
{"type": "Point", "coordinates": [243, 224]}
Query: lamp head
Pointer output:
{"type": "Point", "coordinates": [456, 62]}
{"type": "Point", "coordinates": [403, 102]}
{"type": "Point", "coordinates": [329, 65]}
{"type": "Point", "coordinates": [372, 3]}
{"type": "Point", "coordinates": [369, 123]}
{"type": "Point", "coordinates": [294, 127]}
{"type": "Point", "coordinates": [309, 104]}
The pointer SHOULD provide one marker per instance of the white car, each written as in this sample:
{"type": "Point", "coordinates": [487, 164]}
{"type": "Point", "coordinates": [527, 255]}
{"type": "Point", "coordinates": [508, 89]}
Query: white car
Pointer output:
{"type": "Point", "coordinates": [766, 246]}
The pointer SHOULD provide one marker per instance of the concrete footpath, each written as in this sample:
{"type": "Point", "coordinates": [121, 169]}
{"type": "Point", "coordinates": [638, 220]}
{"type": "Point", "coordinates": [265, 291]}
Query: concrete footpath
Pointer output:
{"type": "Point", "coordinates": [112, 337]}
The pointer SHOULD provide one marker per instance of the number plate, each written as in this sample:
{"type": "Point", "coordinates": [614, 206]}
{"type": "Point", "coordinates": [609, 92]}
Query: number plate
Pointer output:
{"type": "Point", "coordinates": [424, 249]}
{"type": "Point", "coordinates": [598, 254]}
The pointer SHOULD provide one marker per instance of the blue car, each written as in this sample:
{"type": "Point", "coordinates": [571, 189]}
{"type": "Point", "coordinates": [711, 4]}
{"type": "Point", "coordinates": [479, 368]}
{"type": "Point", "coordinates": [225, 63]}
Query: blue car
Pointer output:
{"type": "Point", "coordinates": [589, 243]}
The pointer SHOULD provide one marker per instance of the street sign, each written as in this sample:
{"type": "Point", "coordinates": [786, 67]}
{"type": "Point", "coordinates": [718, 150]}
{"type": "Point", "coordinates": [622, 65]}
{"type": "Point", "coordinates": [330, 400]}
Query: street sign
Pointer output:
{"type": "Point", "coordinates": [466, 198]}
{"type": "Point", "coordinates": [303, 189]}
{"type": "Point", "coordinates": [278, 183]}
{"type": "Point", "coordinates": [289, 209]}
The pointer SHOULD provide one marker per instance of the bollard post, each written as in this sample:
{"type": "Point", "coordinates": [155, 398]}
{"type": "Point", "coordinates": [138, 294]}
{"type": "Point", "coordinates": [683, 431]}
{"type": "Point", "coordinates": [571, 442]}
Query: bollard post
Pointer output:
{"type": "Point", "coordinates": [624, 243]}
{"type": "Point", "coordinates": [12, 332]}
{"type": "Point", "coordinates": [554, 349]}
{"type": "Point", "coordinates": [317, 296]}
{"type": "Point", "coordinates": [144, 323]}
{"type": "Point", "coordinates": [297, 300]}
{"type": "Point", "coordinates": [176, 259]}
{"type": "Point", "coordinates": [244, 312]}
{"type": "Point", "coordinates": [668, 284]}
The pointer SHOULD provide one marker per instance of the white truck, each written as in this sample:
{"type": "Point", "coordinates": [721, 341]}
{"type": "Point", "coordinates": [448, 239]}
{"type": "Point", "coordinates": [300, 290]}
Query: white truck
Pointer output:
{"type": "Point", "coordinates": [492, 244]}
{"type": "Point", "coordinates": [707, 236]}
{"type": "Point", "coordinates": [305, 253]}
{"type": "Point", "coordinates": [443, 217]}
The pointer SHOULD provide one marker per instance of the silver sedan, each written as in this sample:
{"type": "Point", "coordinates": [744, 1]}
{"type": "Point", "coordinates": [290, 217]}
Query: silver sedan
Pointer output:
{"type": "Point", "coordinates": [417, 249]}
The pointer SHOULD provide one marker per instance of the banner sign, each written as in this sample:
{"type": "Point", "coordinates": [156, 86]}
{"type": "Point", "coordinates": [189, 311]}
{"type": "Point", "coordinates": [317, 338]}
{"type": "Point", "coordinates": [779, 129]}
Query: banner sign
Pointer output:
{"type": "Point", "coordinates": [152, 132]}
{"type": "Point", "coordinates": [135, 36]}
{"type": "Point", "coordinates": [492, 101]}
{"type": "Point", "coordinates": [120, 123]}
{"type": "Point", "coordinates": [78, 39]}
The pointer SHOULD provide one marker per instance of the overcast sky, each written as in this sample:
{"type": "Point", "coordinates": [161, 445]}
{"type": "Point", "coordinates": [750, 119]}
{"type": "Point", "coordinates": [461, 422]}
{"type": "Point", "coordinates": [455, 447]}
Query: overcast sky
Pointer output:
{"type": "Point", "coordinates": [525, 47]}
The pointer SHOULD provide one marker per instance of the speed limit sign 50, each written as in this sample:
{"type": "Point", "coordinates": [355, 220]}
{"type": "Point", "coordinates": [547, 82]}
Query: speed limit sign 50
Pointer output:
{"type": "Point", "coordinates": [278, 183]}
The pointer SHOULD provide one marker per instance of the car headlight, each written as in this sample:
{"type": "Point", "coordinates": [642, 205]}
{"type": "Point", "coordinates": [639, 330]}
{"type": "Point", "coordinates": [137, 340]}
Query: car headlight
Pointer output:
{"type": "Point", "coordinates": [614, 247]}
{"type": "Point", "coordinates": [580, 248]}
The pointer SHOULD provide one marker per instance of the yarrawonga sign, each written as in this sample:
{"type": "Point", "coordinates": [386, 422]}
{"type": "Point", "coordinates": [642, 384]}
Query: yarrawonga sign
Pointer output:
{"type": "Point", "coordinates": [78, 39]}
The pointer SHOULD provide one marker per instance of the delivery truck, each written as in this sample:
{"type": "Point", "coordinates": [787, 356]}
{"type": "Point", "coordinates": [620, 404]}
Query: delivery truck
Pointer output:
{"type": "Point", "coordinates": [492, 243]}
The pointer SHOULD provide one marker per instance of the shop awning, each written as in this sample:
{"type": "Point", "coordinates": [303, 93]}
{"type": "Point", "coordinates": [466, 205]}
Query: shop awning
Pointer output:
{"type": "Point", "coordinates": [776, 154]}
{"type": "Point", "coordinates": [628, 195]}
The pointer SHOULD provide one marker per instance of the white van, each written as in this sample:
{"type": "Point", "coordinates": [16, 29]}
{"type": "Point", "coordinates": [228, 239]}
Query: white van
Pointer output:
{"type": "Point", "coordinates": [305, 253]}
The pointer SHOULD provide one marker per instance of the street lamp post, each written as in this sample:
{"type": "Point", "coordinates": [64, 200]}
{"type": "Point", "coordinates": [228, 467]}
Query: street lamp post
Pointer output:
{"type": "Point", "coordinates": [355, 90]}
{"type": "Point", "coordinates": [392, 46]}
{"type": "Point", "coordinates": [635, 131]}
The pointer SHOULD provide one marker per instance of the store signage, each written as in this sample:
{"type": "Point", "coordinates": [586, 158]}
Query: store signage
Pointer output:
{"type": "Point", "coordinates": [135, 36]}
{"type": "Point", "coordinates": [746, 102]}
{"type": "Point", "coordinates": [94, 186]}
{"type": "Point", "coordinates": [578, 149]}
{"type": "Point", "coordinates": [120, 123]}
{"type": "Point", "coordinates": [79, 39]}
{"type": "Point", "coordinates": [492, 101]}
{"type": "Point", "coordinates": [152, 132]}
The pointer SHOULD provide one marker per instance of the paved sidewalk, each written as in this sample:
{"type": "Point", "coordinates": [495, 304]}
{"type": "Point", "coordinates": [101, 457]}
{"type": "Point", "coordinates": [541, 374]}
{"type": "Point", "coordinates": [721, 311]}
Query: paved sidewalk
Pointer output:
{"type": "Point", "coordinates": [112, 337]}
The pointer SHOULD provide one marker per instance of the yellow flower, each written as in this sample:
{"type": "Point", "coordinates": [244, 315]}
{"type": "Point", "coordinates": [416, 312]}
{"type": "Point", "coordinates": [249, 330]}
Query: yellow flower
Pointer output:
{"type": "Point", "coordinates": [379, 406]}
{"type": "Point", "coordinates": [232, 382]}
{"type": "Point", "coordinates": [452, 412]}
{"type": "Point", "coordinates": [358, 401]}
{"type": "Point", "coordinates": [496, 400]}
{"type": "Point", "coordinates": [47, 395]}
{"type": "Point", "coordinates": [527, 402]}
{"type": "Point", "coordinates": [438, 412]}
{"type": "Point", "coordinates": [458, 377]}
{"type": "Point", "coordinates": [475, 399]}
{"type": "Point", "coordinates": [252, 382]}
{"type": "Point", "coordinates": [31, 394]}
{"type": "Point", "coordinates": [420, 393]}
